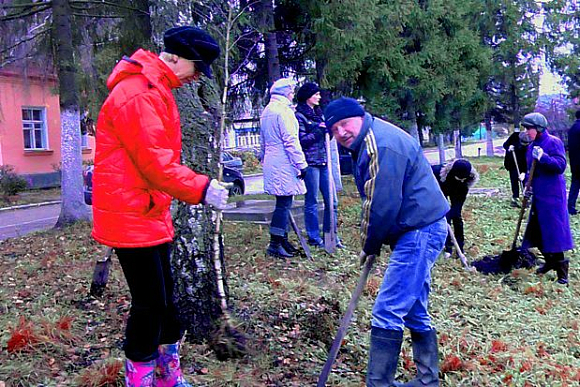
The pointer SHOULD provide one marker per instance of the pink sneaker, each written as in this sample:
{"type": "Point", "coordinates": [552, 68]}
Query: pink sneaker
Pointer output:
{"type": "Point", "coordinates": [139, 374]}
{"type": "Point", "coordinates": [168, 370]}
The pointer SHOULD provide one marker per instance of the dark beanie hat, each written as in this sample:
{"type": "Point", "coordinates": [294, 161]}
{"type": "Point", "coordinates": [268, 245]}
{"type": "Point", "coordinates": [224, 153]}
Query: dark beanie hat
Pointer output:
{"type": "Point", "coordinates": [461, 168]}
{"type": "Point", "coordinates": [342, 108]}
{"type": "Point", "coordinates": [192, 44]}
{"type": "Point", "coordinates": [306, 91]}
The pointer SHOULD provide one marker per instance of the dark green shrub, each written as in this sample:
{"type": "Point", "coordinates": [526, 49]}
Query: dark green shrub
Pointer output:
{"type": "Point", "coordinates": [10, 182]}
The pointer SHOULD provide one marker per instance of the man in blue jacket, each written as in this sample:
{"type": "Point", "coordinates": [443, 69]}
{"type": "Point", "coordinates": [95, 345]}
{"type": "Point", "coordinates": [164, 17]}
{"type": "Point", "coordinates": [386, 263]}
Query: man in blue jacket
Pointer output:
{"type": "Point", "coordinates": [402, 207]}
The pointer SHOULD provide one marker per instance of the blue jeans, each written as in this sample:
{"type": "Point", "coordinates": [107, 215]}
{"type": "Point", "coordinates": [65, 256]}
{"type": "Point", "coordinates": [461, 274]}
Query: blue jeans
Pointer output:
{"type": "Point", "coordinates": [316, 180]}
{"type": "Point", "coordinates": [279, 223]}
{"type": "Point", "coordinates": [573, 193]}
{"type": "Point", "coordinates": [404, 295]}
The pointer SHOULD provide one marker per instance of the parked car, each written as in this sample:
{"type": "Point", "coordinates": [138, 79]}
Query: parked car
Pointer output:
{"type": "Point", "coordinates": [235, 176]}
{"type": "Point", "coordinates": [230, 176]}
{"type": "Point", "coordinates": [233, 162]}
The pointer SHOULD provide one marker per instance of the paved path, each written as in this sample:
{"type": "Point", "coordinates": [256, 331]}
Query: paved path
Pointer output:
{"type": "Point", "coordinates": [19, 222]}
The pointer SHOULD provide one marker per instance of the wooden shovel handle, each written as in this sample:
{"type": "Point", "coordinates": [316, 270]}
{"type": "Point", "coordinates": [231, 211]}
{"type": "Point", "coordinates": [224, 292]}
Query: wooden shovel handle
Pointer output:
{"type": "Point", "coordinates": [524, 203]}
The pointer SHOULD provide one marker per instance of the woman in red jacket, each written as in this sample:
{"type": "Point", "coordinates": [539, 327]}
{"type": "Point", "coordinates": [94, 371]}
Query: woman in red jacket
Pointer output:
{"type": "Point", "coordinates": [137, 172]}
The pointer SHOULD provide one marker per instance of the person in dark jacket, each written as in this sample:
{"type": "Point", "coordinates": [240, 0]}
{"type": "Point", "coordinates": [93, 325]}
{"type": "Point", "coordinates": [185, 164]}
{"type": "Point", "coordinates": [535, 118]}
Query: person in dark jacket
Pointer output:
{"type": "Point", "coordinates": [574, 153]}
{"type": "Point", "coordinates": [549, 225]}
{"type": "Point", "coordinates": [312, 131]}
{"type": "Point", "coordinates": [402, 206]}
{"type": "Point", "coordinates": [516, 168]}
{"type": "Point", "coordinates": [455, 179]}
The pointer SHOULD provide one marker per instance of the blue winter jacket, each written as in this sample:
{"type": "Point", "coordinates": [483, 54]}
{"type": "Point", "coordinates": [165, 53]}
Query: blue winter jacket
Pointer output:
{"type": "Point", "coordinates": [395, 181]}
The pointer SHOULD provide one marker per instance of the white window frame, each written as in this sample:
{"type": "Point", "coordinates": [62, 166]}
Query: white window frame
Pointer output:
{"type": "Point", "coordinates": [33, 126]}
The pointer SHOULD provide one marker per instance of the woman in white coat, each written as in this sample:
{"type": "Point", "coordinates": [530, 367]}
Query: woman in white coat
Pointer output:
{"type": "Point", "coordinates": [283, 162]}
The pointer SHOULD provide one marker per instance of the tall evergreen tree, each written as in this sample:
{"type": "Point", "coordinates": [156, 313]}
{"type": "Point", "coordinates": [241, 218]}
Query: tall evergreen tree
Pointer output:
{"type": "Point", "coordinates": [508, 28]}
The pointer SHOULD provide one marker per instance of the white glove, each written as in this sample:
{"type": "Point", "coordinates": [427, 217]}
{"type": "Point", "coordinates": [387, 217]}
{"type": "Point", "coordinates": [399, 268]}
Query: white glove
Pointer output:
{"type": "Point", "coordinates": [511, 148]}
{"type": "Point", "coordinates": [217, 194]}
{"type": "Point", "coordinates": [537, 153]}
{"type": "Point", "coordinates": [522, 176]}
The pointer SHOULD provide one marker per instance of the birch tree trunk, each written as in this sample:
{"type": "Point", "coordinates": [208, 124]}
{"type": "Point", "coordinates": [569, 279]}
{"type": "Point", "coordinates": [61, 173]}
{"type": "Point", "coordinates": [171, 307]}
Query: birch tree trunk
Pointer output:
{"type": "Point", "coordinates": [457, 142]}
{"type": "Point", "coordinates": [192, 261]}
{"type": "Point", "coordinates": [441, 147]}
{"type": "Point", "coordinates": [196, 295]}
{"type": "Point", "coordinates": [73, 207]}
{"type": "Point", "coordinates": [489, 135]}
{"type": "Point", "coordinates": [414, 129]}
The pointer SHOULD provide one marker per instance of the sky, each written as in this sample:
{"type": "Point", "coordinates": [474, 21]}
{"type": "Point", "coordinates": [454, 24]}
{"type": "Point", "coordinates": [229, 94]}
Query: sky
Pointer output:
{"type": "Point", "coordinates": [550, 83]}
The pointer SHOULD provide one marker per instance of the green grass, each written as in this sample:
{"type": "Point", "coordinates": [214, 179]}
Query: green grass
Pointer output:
{"type": "Point", "coordinates": [514, 330]}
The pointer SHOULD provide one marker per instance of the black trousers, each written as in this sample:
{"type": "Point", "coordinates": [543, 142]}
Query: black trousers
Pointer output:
{"type": "Point", "coordinates": [515, 183]}
{"type": "Point", "coordinates": [458, 232]}
{"type": "Point", "coordinates": [153, 316]}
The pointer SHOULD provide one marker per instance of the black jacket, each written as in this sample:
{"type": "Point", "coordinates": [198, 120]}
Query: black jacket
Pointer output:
{"type": "Point", "coordinates": [520, 151]}
{"type": "Point", "coordinates": [574, 147]}
{"type": "Point", "coordinates": [311, 134]}
{"type": "Point", "coordinates": [455, 190]}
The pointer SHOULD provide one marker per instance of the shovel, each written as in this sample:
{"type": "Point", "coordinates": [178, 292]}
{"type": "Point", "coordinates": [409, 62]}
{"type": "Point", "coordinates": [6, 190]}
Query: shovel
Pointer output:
{"type": "Point", "coordinates": [330, 240]}
{"type": "Point", "coordinates": [509, 257]}
{"type": "Point", "coordinates": [101, 274]}
{"type": "Point", "coordinates": [518, 171]}
{"type": "Point", "coordinates": [458, 250]}
{"type": "Point", "coordinates": [345, 321]}
{"type": "Point", "coordinates": [300, 237]}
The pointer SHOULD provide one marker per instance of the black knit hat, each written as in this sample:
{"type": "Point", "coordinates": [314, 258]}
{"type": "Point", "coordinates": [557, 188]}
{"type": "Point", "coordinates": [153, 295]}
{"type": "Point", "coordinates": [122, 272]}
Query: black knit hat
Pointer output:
{"type": "Point", "coordinates": [461, 168]}
{"type": "Point", "coordinates": [342, 108]}
{"type": "Point", "coordinates": [192, 44]}
{"type": "Point", "coordinates": [306, 91]}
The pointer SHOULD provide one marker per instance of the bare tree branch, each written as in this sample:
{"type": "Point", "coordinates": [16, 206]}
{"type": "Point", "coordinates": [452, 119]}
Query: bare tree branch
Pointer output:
{"type": "Point", "coordinates": [27, 5]}
{"type": "Point", "coordinates": [21, 41]}
{"type": "Point", "coordinates": [24, 14]}
{"type": "Point", "coordinates": [111, 4]}
{"type": "Point", "coordinates": [98, 16]}
{"type": "Point", "coordinates": [15, 59]}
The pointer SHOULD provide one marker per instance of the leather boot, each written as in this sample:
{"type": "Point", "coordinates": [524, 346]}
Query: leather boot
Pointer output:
{"type": "Point", "coordinates": [383, 357]}
{"type": "Point", "coordinates": [275, 248]}
{"type": "Point", "coordinates": [562, 271]}
{"type": "Point", "coordinates": [289, 247]}
{"type": "Point", "coordinates": [426, 358]}
{"type": "Point", "coordinates": [139, 374]}
{"type": "Point", "coordinates": [168, 368]}
{"type": "Point", "coordinates": [548, 265]}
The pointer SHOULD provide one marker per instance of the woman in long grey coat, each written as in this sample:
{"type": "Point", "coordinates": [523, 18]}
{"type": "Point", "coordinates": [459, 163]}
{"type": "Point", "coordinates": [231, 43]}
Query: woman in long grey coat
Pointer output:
{"type": "Point", "coordinates": [549, 226]}
{"type": "Point", "coordinates": [283, 161]}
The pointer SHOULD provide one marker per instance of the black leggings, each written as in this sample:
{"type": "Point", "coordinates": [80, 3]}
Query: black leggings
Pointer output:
{"type": "Point", "coordinates": [153, 316]}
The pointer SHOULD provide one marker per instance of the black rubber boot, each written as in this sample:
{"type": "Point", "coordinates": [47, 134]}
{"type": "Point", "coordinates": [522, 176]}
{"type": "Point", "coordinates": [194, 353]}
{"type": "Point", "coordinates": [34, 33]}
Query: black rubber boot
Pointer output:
{"type": "Point", "coordinates": [383, 357]}
{"type": "Point", "coordinates": [426, 358]}
{"type": "Point", "coordinates": [275, 248]}
{"type": "Point", "coordinates": [562, 271]}
{"type": "Point", "coordinates": [290, 249]}
{"type": "Point", "coordinates": [549, 264]}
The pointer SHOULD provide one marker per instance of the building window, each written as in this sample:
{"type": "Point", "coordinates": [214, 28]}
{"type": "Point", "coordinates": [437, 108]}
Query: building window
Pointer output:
{"type": "Point", "coordinates": [34, 127]}
{"type": "Point", "coordinates": [85, 141]}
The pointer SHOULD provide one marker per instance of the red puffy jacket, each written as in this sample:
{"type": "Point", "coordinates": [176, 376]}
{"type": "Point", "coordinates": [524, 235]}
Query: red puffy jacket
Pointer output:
{"type": "Point", "coordinates": [137, 160]}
